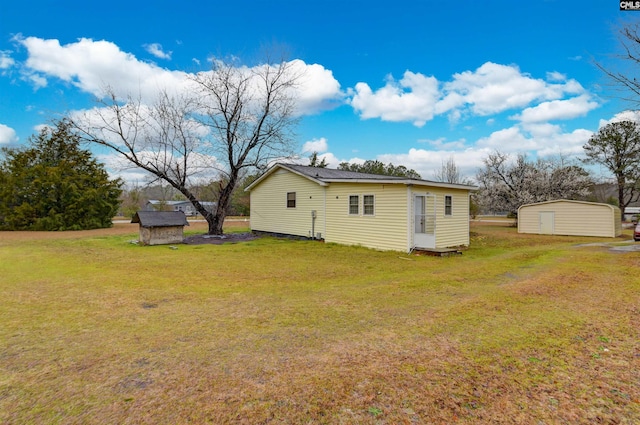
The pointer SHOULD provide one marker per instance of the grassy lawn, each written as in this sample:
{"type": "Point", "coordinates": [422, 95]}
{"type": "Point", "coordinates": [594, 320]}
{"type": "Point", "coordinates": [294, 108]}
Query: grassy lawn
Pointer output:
{"type": "Point", "coordinates": [520, 329]}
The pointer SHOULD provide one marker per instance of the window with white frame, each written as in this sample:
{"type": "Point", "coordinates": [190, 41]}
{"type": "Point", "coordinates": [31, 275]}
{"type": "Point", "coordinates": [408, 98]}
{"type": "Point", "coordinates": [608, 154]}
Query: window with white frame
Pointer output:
{"type": "Point", "coordinates": [448, 205]}
{"type": "Point", "coordinates": [291, 199]}
{"type": "Point", "coordinates": [354, 204]}
{"type": "Point", "coordinates": [368, 202]}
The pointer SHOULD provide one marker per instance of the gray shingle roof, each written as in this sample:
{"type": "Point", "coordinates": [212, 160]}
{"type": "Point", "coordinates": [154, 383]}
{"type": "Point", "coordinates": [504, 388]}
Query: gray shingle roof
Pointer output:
{"type": "Point", "coordinates": [325, 176]}
{"type": "Point", "coordinates": [160, 218]}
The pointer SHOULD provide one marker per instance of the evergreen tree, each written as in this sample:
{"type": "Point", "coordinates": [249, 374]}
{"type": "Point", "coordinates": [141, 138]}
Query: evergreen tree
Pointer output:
{"type": "Point", "coordinates": [377, 167]}
{"type": "Point", "coordinates": [54, 185]}
{"type": "Point", "coordinates": [314, 161]}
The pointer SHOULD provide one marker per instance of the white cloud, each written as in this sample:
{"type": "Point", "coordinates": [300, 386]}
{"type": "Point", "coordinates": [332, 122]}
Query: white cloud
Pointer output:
{"type": "Point", "coordinates": [558, 109]}
{"type": "Point", "coordinates": [6, 61]}
{"type": "Point", "coordinates": [622, 116]}
{"type": "Point", "coordinates": [507, 140]}
{"type": "Point", "coordinates": [428, 162]}
{"type": "Point", "coordinates": [92, 66]}
{"type": "Point", "coordinates": [40, 127]}
{"type": "Point", "coordinates": [156, 50]}
{"type": "Point", "coordinates": [413, 98]}
{"type": "Point", "coordinates": [542, 138]}
{"type": "Point", "coordinates": [442, 143]}
{"type": "Point", "coordinates": [569, 144]}
{"type": "Point", "coordinates": [494, 88]}
{"type": "Point", "coordinates": [556, 76]}
{"type": "Point", "coordinates": [7, 135]}
{"type": "Point", "coordinates": [318, 89]}
{"type": "Point", "coordinates": [490, 89]}
{"type": "Point", "coordinates": [331, 160]}
{"type": "Point", "coordinates": [316, 145]}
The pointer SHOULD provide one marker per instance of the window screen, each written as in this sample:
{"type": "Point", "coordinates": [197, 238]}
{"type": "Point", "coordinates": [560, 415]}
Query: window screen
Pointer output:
{"type": "Point", "coordinates": [447, 205]}
{"type": "Point", "coordinates": [291, 199]}
{"type": "Point", "coordinates": [354, 204]}
{"type": "Point", "coordinates": [367, 205]}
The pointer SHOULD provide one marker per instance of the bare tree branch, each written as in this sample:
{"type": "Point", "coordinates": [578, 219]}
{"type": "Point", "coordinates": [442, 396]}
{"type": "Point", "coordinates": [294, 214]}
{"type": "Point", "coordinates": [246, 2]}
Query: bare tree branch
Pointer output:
{"type": "Point", "coordinates": [232, 118]}
{"type": "Point", "coordinates": [506, 185]}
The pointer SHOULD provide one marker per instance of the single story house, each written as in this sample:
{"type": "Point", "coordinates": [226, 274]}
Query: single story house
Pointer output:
{"type": "Point", "coordinates": [345, 207]}
{"type": "Point", "coordinates": [570, 218]}
{"type": "Point", "coordinates": [160, 227]}
{"type": "Point", "coordinates": [185, 206]}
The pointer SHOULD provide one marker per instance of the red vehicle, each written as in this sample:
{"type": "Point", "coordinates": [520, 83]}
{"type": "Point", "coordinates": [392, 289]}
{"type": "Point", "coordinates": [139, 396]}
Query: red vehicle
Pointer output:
{"type": "Point", "coordinates": [636, 232]}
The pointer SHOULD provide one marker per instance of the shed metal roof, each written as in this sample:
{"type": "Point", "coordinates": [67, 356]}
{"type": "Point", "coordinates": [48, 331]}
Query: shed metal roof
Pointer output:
{"type": "Point", "coordinates": [570, 201]}
{"type": "Point", "coordinates": [160, 218]}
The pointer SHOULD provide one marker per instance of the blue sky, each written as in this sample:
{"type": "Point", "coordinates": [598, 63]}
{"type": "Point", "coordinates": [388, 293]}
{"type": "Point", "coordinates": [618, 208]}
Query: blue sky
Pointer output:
{"type": "Point", "coordinates": [408, 82]}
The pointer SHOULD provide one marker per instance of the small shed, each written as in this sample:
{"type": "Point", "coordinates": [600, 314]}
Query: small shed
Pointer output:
{"type": "Point", "coordinates": [570, 218]}
{"type": "Point", "coordinates": [160, 227]}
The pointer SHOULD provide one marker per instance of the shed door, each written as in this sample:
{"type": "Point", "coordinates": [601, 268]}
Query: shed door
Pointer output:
{"type": "Point", "coordinates": [546, 222]}
{"type": "Point", "coordinates": [424, 221]}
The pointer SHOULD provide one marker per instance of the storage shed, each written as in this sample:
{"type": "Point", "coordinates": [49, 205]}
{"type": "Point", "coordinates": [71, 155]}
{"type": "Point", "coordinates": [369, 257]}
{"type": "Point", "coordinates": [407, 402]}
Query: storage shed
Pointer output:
{"type": "Point", "coordinates": [571, 218]}
{"type": "Point", "coordinates": [160, 227]}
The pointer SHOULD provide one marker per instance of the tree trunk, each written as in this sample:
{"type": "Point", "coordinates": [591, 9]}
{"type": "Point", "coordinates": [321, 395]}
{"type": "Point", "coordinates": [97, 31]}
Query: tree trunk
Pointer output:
{"type": "Point", "coordinates": [621, 201]}
{"type": "Point", "coordinates": [224, 199]}
{"type": "Point", "coordinates": [216, 221]}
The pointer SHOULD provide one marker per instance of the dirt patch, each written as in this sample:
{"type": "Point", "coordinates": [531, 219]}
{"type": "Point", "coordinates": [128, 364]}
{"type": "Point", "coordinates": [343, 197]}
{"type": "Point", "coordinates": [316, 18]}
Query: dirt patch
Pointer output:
{"type": "Point", "coordinates": [117, 229]}
{"type": "Point", "coordinates": [219, 239]}
{"type": "Point", "coordinates": [121, 227]}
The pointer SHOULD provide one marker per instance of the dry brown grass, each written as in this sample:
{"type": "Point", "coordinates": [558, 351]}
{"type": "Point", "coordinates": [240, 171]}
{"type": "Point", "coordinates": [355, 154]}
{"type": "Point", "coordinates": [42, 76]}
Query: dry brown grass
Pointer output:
{"type": "Point", "coordinates": [521, 329]}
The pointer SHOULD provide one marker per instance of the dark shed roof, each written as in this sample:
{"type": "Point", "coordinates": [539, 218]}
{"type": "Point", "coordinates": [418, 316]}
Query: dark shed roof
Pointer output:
{"type": "Point", "coordinates": [160, 218]}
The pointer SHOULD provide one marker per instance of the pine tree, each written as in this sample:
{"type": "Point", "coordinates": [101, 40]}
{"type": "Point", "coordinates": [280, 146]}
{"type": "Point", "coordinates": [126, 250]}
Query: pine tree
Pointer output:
{"type": "Point", "coordinates": [54, 185]}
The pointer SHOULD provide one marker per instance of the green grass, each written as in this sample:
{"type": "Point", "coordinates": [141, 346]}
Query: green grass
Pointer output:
{"type": "Point", "coordinates": [519, 329]}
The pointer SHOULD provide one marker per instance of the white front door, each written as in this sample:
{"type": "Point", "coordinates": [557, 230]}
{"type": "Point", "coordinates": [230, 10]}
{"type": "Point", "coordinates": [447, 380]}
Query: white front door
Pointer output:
{"type": "Point", "coordinates": [424, 221]}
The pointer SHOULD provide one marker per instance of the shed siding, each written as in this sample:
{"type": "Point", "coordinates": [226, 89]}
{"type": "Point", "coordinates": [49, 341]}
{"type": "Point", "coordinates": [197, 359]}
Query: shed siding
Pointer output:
{"type": "Point", "coordinates": [572, 219]}
{"type": "Point", "coordinates": [385, 230]}
{"type": "Point", "coordinates": [161, 235]}
{"type": "Point", "coordinates": [269, 212]}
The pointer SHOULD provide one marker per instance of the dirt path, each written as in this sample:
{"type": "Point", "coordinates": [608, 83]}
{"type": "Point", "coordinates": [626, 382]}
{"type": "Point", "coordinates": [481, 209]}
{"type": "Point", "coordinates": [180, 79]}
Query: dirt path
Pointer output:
{"type": "Point", "coordinates": [119, 228]}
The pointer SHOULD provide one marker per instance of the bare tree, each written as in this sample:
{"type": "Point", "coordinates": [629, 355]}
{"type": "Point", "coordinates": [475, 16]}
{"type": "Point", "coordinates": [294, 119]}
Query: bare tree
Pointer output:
{"type": "Point", "coordinates": [617, 147]}
{"type": "Point", "coordinates": [449, 173]}
{"type": "Point", "coordinates": [227, 120]}
{"type": "Point", "coordinates": [505, 185]}
{"type": "Point", "coordinates": [624, 76]}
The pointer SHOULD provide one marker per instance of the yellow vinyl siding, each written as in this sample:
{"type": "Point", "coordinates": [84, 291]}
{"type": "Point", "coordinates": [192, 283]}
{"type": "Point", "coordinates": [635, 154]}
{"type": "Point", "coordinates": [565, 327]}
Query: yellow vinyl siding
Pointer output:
{"type": "Point", "coordinates": [389, 227]}
{"type": "Point", "coordinates": [269, 212]}
{"type": "Point", "coordinates": [451, 230]}
{"type": "Point", "coordinates": [572, 218]}
{"type": "Point", "coordinates": [386, 229]}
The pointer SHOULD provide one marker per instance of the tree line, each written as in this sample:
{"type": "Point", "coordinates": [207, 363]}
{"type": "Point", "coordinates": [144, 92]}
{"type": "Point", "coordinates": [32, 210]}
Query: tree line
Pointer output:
{"type": "Point", "coordinates": [234, 120]}
{"type": "Point", "coordinates": [53, 184]}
